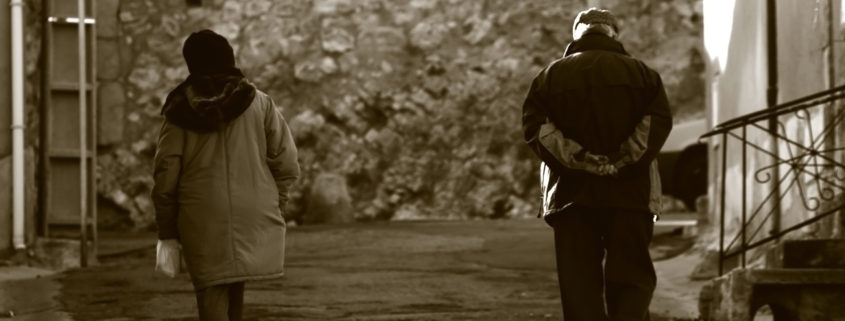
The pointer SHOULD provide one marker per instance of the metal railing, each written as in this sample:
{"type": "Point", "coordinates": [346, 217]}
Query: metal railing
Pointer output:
{"type": "Point", "coordinates": [795, 148]}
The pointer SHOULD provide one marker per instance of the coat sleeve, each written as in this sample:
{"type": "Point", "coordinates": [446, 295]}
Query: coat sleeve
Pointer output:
{"type": "Point", "coordinates": [557, 151]}
{"type": "Point", "coordinates": [281, 152]}
{"type": "Point", "coordinates": [167, 169]}
{"type": "Point", "coordinates": [640, 149]}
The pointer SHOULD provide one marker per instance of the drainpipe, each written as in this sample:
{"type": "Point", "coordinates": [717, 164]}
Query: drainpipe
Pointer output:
{"type": "Point", "coordinates": [772, 101]}
{"type": "Point", "coordinates": [18, 216]}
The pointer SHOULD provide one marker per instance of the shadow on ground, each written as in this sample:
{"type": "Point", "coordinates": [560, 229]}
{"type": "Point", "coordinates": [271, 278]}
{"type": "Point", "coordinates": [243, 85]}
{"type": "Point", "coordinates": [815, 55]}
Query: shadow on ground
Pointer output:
{"type": "Point", "coordinates": [467, 270]}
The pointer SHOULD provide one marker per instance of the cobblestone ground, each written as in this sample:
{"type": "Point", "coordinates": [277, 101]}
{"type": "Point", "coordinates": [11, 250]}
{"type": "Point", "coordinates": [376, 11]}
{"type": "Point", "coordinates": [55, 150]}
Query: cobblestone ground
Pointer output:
{"type": "Point", "coordinates": [471, 270]}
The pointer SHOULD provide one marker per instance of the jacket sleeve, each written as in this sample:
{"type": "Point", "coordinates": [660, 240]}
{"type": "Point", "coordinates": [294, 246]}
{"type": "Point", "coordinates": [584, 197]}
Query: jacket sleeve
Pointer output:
{"type": "Point", "coordinates": [559, 152]}
{"type": "Point", "coordinates": [167, 169]}
{"type": "Point", "coordinates": [640, 149]}
{"type": "Point", "coordinates": [281, 152]}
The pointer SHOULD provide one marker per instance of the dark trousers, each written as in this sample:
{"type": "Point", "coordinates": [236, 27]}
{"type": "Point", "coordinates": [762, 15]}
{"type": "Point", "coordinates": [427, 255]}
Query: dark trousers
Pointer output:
{"type": "Point", "coordinates": [224, 302]}
{"type": "Point", "coordinates": [621, 289]}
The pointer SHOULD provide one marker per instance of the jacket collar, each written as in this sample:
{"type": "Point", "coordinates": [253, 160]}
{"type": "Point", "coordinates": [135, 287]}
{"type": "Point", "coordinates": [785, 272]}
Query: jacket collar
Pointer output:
{"type": "Point", "coordinates": [205, 103]}
{"type": "Point", "coordinates": [595, 41]}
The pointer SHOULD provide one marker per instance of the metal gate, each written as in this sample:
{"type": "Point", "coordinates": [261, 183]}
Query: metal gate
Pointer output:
{"type": "Point", "coordinates": [68, 128]}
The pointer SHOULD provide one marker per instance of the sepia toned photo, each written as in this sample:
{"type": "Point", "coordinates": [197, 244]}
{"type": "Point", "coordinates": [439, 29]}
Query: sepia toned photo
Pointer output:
{"type": "Point", "coordinates": [422, 160]}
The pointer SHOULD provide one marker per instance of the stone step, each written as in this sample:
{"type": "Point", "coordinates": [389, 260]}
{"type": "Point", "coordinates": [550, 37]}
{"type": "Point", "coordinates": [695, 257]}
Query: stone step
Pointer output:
{"type": "Point", "coordinates": [801, 254]}
{"type": "Point", "coordinates": [791, 294]}
{"type": "Point", "coordinates": [796, 276]}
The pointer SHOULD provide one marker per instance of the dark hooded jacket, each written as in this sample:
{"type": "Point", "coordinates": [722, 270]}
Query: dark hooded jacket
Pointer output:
{"type": "Point", "coordinates": [600, 100]}
{"type": "Point", "coordinates": [224, 164]}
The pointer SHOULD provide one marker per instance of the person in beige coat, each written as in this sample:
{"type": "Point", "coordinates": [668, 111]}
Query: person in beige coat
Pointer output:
{"type": "Point", "coordinates": [224, 164]}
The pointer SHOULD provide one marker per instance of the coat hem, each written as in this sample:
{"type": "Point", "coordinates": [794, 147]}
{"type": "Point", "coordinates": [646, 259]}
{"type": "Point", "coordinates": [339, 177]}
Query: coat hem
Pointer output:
{"type": "Point", "coordinates": [238, 279]}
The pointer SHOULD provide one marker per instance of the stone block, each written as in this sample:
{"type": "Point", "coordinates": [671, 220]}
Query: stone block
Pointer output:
{"type": "Point", "coordinates": [108, 59]}
{"type": "Point", "coordinates": [112, 99]}
{"type": "Point", "coordinates": [337, 40]}
{"type": "Point", "coordinates": [107, 18]}
{"type": "Point", "coordinates": [125, 54]}
{"type": "Point", "coordinates": [61, 254]}
{"type": "Point", "coordinates": [330, 7]}
{"type": "Point", "coordinates": [825, 253]}
{"type": "Point", "coordinates": [329, 201]}
{"type": "Point", "coordinates": [791, 294]}
{"type": "Point", "coordinates": [428, 35]}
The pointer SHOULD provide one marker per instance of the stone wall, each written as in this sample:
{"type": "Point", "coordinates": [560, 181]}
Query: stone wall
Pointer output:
{"type": "Point", "coordinates": [417, 103]}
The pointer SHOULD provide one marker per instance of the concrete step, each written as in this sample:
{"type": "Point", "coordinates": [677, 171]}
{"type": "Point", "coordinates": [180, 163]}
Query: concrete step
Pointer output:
{"type": "Point", "coordinates": [807, 254]}
{"type": "Point", "coordinates": [796, 276]}
{"type": "Point", "coordinates": [791, 294]}
{"type": "Point", "coordinates": [686, 222]}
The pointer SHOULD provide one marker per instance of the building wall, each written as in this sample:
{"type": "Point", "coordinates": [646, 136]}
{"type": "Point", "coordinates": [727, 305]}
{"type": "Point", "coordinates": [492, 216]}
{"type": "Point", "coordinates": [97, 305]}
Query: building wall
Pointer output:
{"type": "Point", "coordinates": [5, 81]}
{"type": "Point", "coordinates": [737, 72]}
{"type": "Point", "coordinates": [738, 83]}
{"type": "Point", "coordinates": [5, 135]}
{"type": "Point", "coordinates": [803, 69]}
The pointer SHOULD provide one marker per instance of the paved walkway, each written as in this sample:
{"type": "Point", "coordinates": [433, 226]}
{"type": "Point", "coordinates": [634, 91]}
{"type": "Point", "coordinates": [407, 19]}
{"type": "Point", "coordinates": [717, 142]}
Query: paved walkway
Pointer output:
{"type": "Point", "coordinates": [468, 270]}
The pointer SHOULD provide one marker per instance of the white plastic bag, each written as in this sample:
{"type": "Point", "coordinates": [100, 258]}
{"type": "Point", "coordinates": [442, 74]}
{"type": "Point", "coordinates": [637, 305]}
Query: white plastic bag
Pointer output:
{"type": "Point", "coordinates": [168, 257]}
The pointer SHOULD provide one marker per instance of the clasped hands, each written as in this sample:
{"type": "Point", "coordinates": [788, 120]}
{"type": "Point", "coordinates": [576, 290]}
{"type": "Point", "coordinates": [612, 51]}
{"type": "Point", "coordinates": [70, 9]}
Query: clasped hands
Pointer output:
{"type": "Point", "coordinates": [597, 164]}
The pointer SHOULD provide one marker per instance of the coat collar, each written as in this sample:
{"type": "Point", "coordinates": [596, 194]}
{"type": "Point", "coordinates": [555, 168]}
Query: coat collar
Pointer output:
{"type": "Point", "coordinates": [594, 41]}
{"type": "Point", "coordinates": [204, 103]}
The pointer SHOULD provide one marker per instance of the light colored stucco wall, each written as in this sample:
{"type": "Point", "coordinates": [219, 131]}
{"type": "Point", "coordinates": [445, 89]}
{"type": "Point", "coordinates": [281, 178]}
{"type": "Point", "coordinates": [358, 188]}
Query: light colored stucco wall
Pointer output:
{"type": "Point", "coordinates": [737, 86]}
{"type": "Point", "coordinates": [738, 79]}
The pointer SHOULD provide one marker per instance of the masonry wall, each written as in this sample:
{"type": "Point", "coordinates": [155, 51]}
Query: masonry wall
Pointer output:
{"type": "Point", "coordinates": [415, 104]}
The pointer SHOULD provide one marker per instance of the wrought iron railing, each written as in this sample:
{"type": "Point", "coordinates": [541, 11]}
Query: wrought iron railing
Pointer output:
{"type": "Point", "coordinates": [794, 149]}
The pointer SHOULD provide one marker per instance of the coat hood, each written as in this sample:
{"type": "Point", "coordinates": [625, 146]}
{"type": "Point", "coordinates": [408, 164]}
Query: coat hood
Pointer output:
{"type": "Point", "coordinates": [206, 103]}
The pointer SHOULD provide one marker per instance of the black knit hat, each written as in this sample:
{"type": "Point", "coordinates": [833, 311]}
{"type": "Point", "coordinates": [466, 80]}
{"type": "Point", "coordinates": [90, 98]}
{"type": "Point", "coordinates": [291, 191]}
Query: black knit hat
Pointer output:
{"type": "Point", "coordinates": [594, 16]}
{"type": "Point", "coordinates": [207, 52]}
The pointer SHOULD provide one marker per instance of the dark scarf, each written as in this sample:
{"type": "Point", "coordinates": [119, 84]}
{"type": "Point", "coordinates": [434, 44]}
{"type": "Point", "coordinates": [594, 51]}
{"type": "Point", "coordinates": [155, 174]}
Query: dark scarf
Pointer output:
{"type": "Point", "coordinates": [595, 41]}
{"type": "Point", "coordinates": [205, 103]}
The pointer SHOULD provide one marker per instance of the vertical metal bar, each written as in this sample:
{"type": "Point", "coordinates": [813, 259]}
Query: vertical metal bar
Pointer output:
{"type": "Point", "coordinates": [722, 203]}
{"type": "Point", "coordinates": [83, 139]}
{"type": "Point", "coordinates": [829, 110]}
{"type": "Point", "coordinates": [771, 101]}
{"type": "Point", "coordinates": [831, 44]}
{"type": "Point", "coordinates": [44, 128]}
{"type": "Point", "coordinates": [92, 200]}
{"type": "Point", "coordinates": [744, 188]}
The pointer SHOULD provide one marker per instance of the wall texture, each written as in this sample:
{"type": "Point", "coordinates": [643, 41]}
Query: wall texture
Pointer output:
{"type": "Point", "coordinates": [416, 103]}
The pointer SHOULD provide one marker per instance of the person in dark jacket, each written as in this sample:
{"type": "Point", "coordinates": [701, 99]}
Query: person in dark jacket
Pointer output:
{"type": "Point", "coordinates": [597, 118]}
{"type": "Point", "coordinates": [224, 164]}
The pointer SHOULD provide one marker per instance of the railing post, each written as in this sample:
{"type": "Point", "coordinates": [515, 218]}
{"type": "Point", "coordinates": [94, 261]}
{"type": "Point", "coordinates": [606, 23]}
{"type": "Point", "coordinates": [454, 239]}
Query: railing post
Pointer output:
{"type": "Point", "coordinates": [772, 100]}
{"type": "Point", "coordinates": [722, 203]}
{"type": "Point", "coordinates": [805, 165]}
{"type": "Point", "coordinates": [744, 188]}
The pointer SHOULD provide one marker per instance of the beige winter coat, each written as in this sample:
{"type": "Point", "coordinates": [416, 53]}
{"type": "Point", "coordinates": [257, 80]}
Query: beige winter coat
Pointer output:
{"type": "Point", "coordinates": [222, 193]}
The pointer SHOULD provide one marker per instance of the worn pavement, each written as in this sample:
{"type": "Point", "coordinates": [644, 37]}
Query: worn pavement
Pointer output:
{"type": "Point", "coordinates": [457, 270]}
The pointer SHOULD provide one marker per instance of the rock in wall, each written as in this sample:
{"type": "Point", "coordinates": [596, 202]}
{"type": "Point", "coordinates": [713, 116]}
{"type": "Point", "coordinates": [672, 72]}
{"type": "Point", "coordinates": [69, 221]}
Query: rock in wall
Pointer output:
{"type": "Point", "coordinates": [417, 103]}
